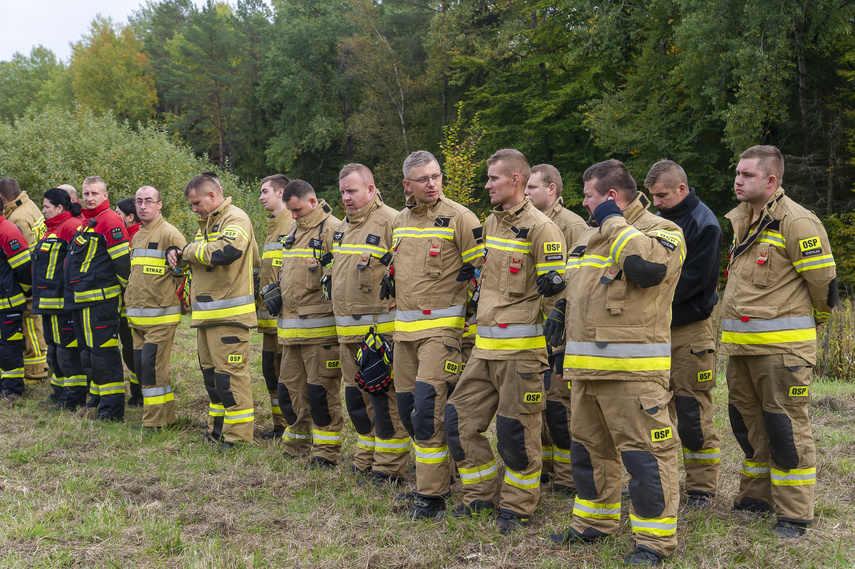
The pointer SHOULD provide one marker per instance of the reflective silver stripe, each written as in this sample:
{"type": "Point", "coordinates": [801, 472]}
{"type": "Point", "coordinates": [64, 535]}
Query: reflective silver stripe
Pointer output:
{"type": "Point", "coordinates": [274, 402]}
{"type": "Point", "coordinates": [275, 246]}
{"type": "Point", "coordinates": [562, 455]}
{"type": "Point", "coordinates": [702, 455]}
{"type": "Point", "coordinates": [292, 436]}
{"type": "Point", "coordinates": [795, 323]}
{"type": "Point", "coordinates": [519, 480]}
{"type": "Point", "coordinates": [778, 476]}
{"type": "Point", "coordinates": [483, 473]}
{"type": "Point", "coordinates": [156, 391]}
{"type": "Point", "coordinates": [365, 319]}
{"type": "Point", "coordinates": [416, 315]}
{"type": "Point", "coordinates": [225, 303]}
{"type": "Point", "coordinates": [306, 322]}
{"type": "Point", "coordinates": [522, 331]}
{"type": "Point", "coordinates": [755, 469]}
{"type": "Point", "coordinates": [326, 437]}
{"type": "Point", "coordinates": [381, 444]}
{"type": "Point", "coordinates": [616, 350]}
{"type": "Point", "coordinates": [431, 453]}
{"type": "Point", "coordinates": [153, 253]}
{"type": "Point", "coordinates": [239, 414]}
{"type": "Point", "coordinates": [650, 524]}
{"type": "Point", "coordinates": [365, 442]}
{"type": "Point", "coordinates": [150, 312]}
{"type": "Point", "coordinates": [606, 511]}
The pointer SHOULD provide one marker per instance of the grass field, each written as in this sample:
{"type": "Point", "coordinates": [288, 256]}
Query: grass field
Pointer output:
{"type": "Point", "coordinates": [77, 493]}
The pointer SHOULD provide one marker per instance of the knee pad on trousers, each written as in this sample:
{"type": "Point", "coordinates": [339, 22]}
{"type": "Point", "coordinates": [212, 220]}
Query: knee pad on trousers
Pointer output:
{"type": "Point", "coordinates": [383, 427]}
{"type": "Point", "coordinates": [68, 361]}
{"type": "Point", "coordinates": [645, 486]}
{"type": "Point", "coordinates": [318, 405]}
{"type": "Point", "coordinates": [210, 384]}
{"type": "Point", "coordinates": [406, 403]}
{"type": "Point", "coordinates": [86, 362]}
{"type": "Point", "coordinates": [583, 471]}
{"type": "Point", "coordinates": [285, 404]}
{"type": "Point", "coordinates": [556, 420]}
{"type": "Point", "coordinates": [782, 444]}
{"type": "Point", "coordinates": [138, 359]}
{"type": "Point", "coordinates": [268, 370]}
{"type": "Point", "coordinates": [740, 431]}
{"type": "Point", "coordinates": [425, 409]}
{"type": "Point", "coordinates": [452, 433]}
{"type": "Point", "coordinates": [357, 410]}
{"type": "Point", "coordinates": [146, 369]}
{"type": "Point", "coordinates": [689, 422]}
{"type": "Point", "coordinates": [224, 384]}
{"type": "Point", "coordinates": [511, 435]}
{"type": "Point", "coordinates": [52, 363]}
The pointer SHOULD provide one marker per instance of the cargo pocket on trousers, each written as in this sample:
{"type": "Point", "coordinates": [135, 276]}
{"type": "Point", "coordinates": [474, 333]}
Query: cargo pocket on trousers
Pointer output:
{"type": "Point", "coordinates": [796, 377]}
{"type": "Point", "coordinates": [657, 429]}
{"type": "Point", "coordinates": [704, 366]}
{"type": "Point", "coordinates": [330, 362]}
{"type": "Point", "coordinates": [528, 393]}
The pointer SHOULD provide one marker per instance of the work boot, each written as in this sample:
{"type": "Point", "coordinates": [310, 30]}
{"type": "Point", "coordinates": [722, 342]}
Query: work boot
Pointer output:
{"type": "Point", "coordinates": [508, 521]}
{"type": "Point", "coordinates": [381, 479]}
{"type": "Point", "coordinates": [699, 501]}
{"type": "Point", "coordinates": [789, 530]}
{"type": "Point", "coordinates": [751, 506]}
{"type": "Point", "coordinates": [563, 491]}
{"type": "Point", "coordinates": [274, 434]}
{"type": "Point", "coordinates": [476, 507]}
{"type": "Point", "coordinates": [424, 507]}
{"type": "Point", "coordinates": [320, 463]}
{"type": "Point", "coordinates": [587, 537]}
{"type": "Point", "coordinates": [135, 401]}
{"type": "Point", "coordinates": [644, 556]}
{"type": "Point", "coordinates": [360, 471]}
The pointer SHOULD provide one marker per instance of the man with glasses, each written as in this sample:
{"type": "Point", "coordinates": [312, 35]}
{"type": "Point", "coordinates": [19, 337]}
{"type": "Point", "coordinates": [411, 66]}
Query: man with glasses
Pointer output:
{"type": "Point", "coordinates": [437, 249]}
{"type": "Point", "coordinates": [154, 310]}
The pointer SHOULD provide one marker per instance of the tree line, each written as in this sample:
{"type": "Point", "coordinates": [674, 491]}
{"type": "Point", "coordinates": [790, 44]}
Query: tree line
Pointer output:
{"type": "Point", "coordinates": [305, 86]}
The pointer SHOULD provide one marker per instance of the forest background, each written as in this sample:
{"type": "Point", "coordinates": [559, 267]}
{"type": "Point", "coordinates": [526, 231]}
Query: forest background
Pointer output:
{"type": "Point", "coordinates": [304, 86]}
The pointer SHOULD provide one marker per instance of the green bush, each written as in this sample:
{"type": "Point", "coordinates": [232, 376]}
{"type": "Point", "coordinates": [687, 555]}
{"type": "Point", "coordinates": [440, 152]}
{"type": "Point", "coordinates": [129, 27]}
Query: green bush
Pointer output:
{"type": "Point", "coordinates": [836, 344]}
{"type": "Point", "coordinates": [841, 233]}
{"type": "Point", "coordinates": [52, 147]}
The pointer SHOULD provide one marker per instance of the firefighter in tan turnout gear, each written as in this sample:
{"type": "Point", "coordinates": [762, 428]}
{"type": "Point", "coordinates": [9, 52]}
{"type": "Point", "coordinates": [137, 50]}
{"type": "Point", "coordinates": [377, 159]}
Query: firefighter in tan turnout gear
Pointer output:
{"type": "Point", "coordinates": [220, 260]}
{"type": "Point", "coordinates": [504, 376]}
{"type": "Point", "coordinates": [25, 214]}
{"type": "Point", "coordinates": [781, 284]}
{"type": "Point", "coordinates": [544, 190]}
{"type": "Point", "coordinates": [692, 337]}
{"type": "Point", "coordinates": [621, 275]}
{"type": "Point", "coordinates": [271, 264]}
{"type": "Point", "coordinates": [310, 375]}
{"type": "Point", "coordinates": [362, 253]}
{"type": "Point", "coordinates": [437, 249]}
{"type": "Point", "coordinates": [153, 308]}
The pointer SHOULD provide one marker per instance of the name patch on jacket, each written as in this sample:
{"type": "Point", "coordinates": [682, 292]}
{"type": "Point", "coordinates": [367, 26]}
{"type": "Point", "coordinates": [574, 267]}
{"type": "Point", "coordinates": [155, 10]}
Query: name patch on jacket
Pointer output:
{"type": "Point", "coordinates": [372, 239]}
{"type": "Point", "coordinates": [14, 245]}
{"type": "Point", "coordinates": [117, 233]}
{"type": "Point", "coordinates": [315, 243]}
{"type": "Point", "coordinates": [555, 257]}
{"type": "Point", "coordinates": [668, 241]}
{"type": "Point", "coordinates": [230, 234]}
{"type": "Point", "coordinates": [552, 247]}
{"type": "Point", "coordinates": [442, 222]}
{"type": "Point", "coordinates": [810, 246]}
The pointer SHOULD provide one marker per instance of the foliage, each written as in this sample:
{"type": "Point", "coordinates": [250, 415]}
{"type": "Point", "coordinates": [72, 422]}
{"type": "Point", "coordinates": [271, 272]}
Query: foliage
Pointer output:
{"type": "Point", "coordinates": [109, 72]}
{"type": "Point", "coordinates": [460, 160]}
{"type": "Point", "coordinates": [44, 150]}
{"type": "Point", "coordinates": [836, 344]}
{"type": "Point", "coordinates": [841, 234]}
{"type": "Point", "coordinates": [37, 79]}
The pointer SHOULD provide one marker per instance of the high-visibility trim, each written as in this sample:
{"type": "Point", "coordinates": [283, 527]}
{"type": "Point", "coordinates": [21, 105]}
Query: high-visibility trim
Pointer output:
{"type": "Point", "coordinates": [358, 249]}
{"type": "Point", "coordinates": [53, 262]}
{"type": "Point", "coordinates": [17, 373]}
{"type": "Point", "coordinates": [143, 316]}
{"type": "Point", "coordinates": [431, 324]}
{"type": "Point", "coordinates": [13, 301]}
{"type": "Point", "coordinates": [617, 357]}
{"type": "Point", "coordinates": [418, 320]}
{"type": "Point", "coordinates": [273, 247]}
{"type": "Point", "coordinates": [118, 250]}
{"type": "Point", "coordinates": [703, 456]}
{"type": "Point", "coordinates": [298, 253]}
{"type": "Point", "coordinates": [515, 331]}
{"type": "Point", "coordinates": [812, 263]}
{"type": "Point", "coordinates": [522, 481]}
{"type": "Point", "coordinates": [820, 315]}
{"type": "Point", "coordinates": [427, 455]}
{"type": "Point", "coordinates": [595, 510]}
{"type": "Point", "coordinates": [424, 233]}
{"type": "Point", "coordinates": [50, 303]}
{"type": "Point", "coordinates": [655, 526]}
{"type": "Point", "coordinates": [296, 436]}
{"type": "Point", "coordinates": [547, 452]}
{"type": "Point", "coordinates": [90, 254]}
{"type": "Point", "coordinates": [264, 319]}
{"type": "Point", "coordinates": [773, 237]}
{"type": "Point", "coordinates": [617, 364]}
{"type": "Point", "coordinates": [392, 445]}
{"type": "Point", "coordinates": [514, 245]}
{"type": "Point", "coordinates": [57, 381]}
{"type": "Point", "coordinates": [111, 343]}
{"type": "Point", "coordinates": [614, 350]}
{"type": "Point", "coordinates": [596, 261]}
{"type": "Point", "coordinates": [543, 268]}
{"type": "Point", "coordinates": [20, 259]}
{"type": "Point", "coordinates": [239, 416]}
{"type": "Point", "coordinates": [306, 327]}
{"type": "Point", "coordinates": [75, 381]}
{"type": "Point", "coordinates": [479, 473]}
{"type": "Point", "coordinates": [35, 361]}
{"type": "Point", "coordinates": [133, 378]}
{"type": "Point", "coordinates": [365, 442]}
{"type": "Point", "coordinates": [326, 437]}
{"type": "Point", "coordinates": [561, 455]}
{"type": "Point", "coordinates": [793, 477]}
{"type": "Point", "coordinates": [774, 331]}
{"type": "Point", "coordinates": [138, 255]}
{"type": "Point", "coordinates": [200, 252]}
{"type": "Point", "coordinates": [87, 328]}
{"type": "Point", "coordinates": [470, 255]}
{"type": "Point", "coordinates": [352, 326]}
{"type": "Point", "coordinates": [223, 308]}
{"type": "Point", "coordinates": [97, 294]}
{"type": "Point", "coordinates": [216, 410]}
{"type": "Point", "coordinates": [236, 228]}
{"type": "Point", "coordinates": [517, 337]}
{"type": "Point", "coordinates": [158, 395]}
{"type": "Point", "coordinates": [755, 469]}
{"type": "Point", "coordinates": [623, 238]}
{"type": "Point", "coordinates": [107, 388]}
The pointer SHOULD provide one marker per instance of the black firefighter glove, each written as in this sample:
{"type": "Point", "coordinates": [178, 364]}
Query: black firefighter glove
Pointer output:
{"type": "Point", "coordinates": [554, 327]}
{"type": "Point", "coordinates": [472, 306]}
{"type": "Point", "coordinates": [387, 285]}
{"type": "Point", "coordinates": [326, 286]}
{"type": "Point", "coordinates": [606, 210]}
{"type": "Point", "coordinates": [467, 272]}
{"type": "Point", "coordinates": [550, 284]}
{"type": "Point", "coordinates": [256, 282]}
{"type": "Point", "coordinates": [556, 362]}
{"type": "Point", "coordinates": [272, 296]}
{"type": "Point", "coordinates": [374, 358]}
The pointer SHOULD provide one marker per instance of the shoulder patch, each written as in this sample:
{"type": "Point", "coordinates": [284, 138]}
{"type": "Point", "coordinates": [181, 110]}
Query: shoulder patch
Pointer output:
{"type": "Point", "coordinates": [230, 234]}
{"type": "Point", "coordinates": [577, 251]}
{"type": "Point", "coordinates": [117, 234]}
{"type": "Point", "coordinates": [668, 240]}
{"type": "Point", "coordinates": [558, 257]}
{"type": "Point", "coordinates": [372, 239]}
{"type": "Point", "coordinates": [337, 236]}
{"type": "Point", "coordinates": [810, 246]}
{"type": "Point", "coordinates": [478, 233]}
{"type": "Point", "coordinates": [552, 247]}
{"type": "Point", "coordinates": [442, 222]}
{"type": "Point", "coordinates": [14, 244]}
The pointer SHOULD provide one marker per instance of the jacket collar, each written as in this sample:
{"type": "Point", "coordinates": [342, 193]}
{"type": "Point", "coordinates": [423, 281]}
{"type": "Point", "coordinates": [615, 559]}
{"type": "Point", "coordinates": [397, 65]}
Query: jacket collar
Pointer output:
{"type": "Point", "coordinates": [509, 215]}
{"type": "Point", "coordinates": [555, 208]}
{"type": "Point", "coordinates": [214, 216]}
{"type": "Point", "coordinates": [57, 220]}
{"type": "Point", "coordinates": [359, 216]}
{"type": "Point", "coordinates": [90, 213]}
{"type": "Point", "coordinates": [16, 203]}
{"type": "Point", "coordinates": [421, 209]}
{"type": "Point", "coordinates": [636, 208]}
{"type": "Point", "coordinates": [153, 225]}
{"type": "Point", "coordinates": [689, 203]}
{"type": "Point", "coordinates": [315, 217]}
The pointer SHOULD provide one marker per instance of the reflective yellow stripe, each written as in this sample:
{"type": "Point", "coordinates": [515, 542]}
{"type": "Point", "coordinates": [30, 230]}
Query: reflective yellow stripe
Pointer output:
{"type": "Point", "coordinates": [623, 238]}
{"type": "Point", "coordinates": [812, 263]}
{"type": "Point", "coordinates": [703, 456]}
{"type": "Point", "coordinates": [358, 249]}
{"type": "Point", "coordinates": [655, 526]}
{"type": "Point", "coordinates": [597, 261]}
{"type": "Point", "coordinates": [617, 364]}
{"type": "Point", "coordinates": [326, 437]}
{"type": "Point", "coordinates": [223, 312]}
{"type": "Point", "coordinates": [595, 510]}
{"type": "Point", "coordinates": [20, 259]}
{"type": "Point", "coordinates": [513, 245]}
{"type": "Point", "coordinates": [523, 481]}
{"type": "Point", "coordinates": [119, 250]}
{"type": "Point", "coordinates": [779, 337]}
{"type": "Point", "coordinates": [392, 445]}
{"type": "Point", "coordinates": [110, 388]}
{"type": "Point", "coordinates": [423, 233]}
{"type": "Point", "coordinates": [427, 455]}
{"type": "Point", "coordinates": [418, 326]}
{"type": "Point", "coordinates": [470, 254]}
{"type": "Point", "coordinates": [239, 416]}
{"type": "Point", "coordinates": [793, 477]}
{"type": "Point", "coordinates": [150, 320]}
{"type": "Point", "coordinates": [510, 343]}
{"type": "Point", "coordinates": [90, 254]}
{"type": "Point", "coordinates": [216, 410]}
{"type": "Point", "coordinates": [364, 442]}
{"type": "Point", "coordinates": [543, 268]}
{"type": "Point", "coordinates": [755, 469]}
{"type": "Point", "coordinates": [52, 261]}
{"type": "Point", "coordinates": [478, 473]}
{"type": "Point", "coordinates": [773, 237]}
